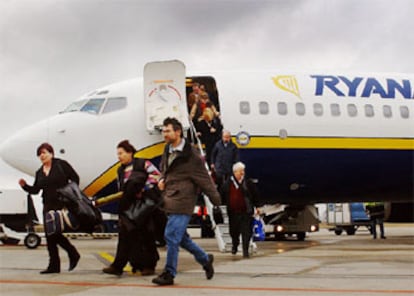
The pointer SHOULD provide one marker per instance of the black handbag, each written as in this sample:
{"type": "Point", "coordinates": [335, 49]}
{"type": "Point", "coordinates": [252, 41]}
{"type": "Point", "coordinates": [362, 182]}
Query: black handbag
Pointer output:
{"type": "Point", "coordinates": [140, 210]}
{"type": "Point", "coordinates": [80, 206]}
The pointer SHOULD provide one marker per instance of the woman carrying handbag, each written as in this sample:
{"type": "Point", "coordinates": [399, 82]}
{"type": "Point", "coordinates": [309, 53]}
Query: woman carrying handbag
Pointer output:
{"type": "Point", "coordinates": [137, 179]}
{"type": "Point", "coordinates": [53, 174]}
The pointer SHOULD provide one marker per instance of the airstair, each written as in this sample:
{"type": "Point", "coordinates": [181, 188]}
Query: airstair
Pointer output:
{"type": "Point", "coordinates": [165, 93]}
{"type": "Point", "coordinates": [221, 230]}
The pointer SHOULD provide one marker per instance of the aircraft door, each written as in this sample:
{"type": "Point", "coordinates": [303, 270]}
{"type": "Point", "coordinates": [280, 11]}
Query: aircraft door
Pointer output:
{"type": "Point", "coordinates": [164, 94]}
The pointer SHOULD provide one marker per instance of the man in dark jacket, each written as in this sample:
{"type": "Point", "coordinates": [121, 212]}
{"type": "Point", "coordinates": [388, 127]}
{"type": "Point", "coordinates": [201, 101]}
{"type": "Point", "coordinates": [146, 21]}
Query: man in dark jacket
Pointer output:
{"type": "Point", "coordinates": [240, 196]}
{"type": "Point", "coordinates": [376, 212]}
{"type": "Point", "coordinates": [225, 153]}
{"type": "Point", "coordinates": [182, 174]}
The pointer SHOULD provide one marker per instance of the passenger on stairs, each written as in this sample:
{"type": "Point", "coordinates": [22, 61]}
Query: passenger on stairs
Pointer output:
{"type": "Point", "coordinates": [209, 130]}
{"type": "Point", "coordinates": [240, 195]}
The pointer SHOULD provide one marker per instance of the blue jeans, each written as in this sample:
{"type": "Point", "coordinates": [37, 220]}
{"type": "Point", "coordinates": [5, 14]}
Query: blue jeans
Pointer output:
{"type": "Point", "coordinates": [175, 236]}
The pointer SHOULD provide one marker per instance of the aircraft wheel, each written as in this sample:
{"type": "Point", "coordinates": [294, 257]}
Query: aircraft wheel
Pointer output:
{"type": "Point", "coordinates": [32, 241]}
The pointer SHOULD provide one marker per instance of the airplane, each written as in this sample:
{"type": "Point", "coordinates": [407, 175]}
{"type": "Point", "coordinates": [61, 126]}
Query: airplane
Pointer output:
{"type": "Point", "coordinates": [306, 138]}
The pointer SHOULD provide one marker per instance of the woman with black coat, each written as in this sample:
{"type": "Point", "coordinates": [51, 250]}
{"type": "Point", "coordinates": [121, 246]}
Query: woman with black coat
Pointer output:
{"type": "Point", "coordinates": [53, 174]}
{"type": "Point", "coordinates": [209, 130]}
{"type": "Point", "coordinates": [137, 178]}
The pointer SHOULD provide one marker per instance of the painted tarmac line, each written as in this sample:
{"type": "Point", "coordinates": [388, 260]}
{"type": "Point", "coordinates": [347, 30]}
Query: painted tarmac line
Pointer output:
{"type": "Point", "coordinates": [110, 259]}
{"type": "Point", "coordinates": [223, 288]}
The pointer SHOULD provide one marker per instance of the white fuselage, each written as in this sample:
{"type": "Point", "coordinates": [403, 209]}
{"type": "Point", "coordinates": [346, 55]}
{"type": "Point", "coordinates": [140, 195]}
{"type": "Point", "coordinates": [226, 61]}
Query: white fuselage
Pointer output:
{"type": "Point", "coordinates": [264, 111]}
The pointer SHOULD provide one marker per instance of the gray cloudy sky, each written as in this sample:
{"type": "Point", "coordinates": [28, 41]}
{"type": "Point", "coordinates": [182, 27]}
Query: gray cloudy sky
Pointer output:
{"type": "Point", "coordinates": [53, 51]}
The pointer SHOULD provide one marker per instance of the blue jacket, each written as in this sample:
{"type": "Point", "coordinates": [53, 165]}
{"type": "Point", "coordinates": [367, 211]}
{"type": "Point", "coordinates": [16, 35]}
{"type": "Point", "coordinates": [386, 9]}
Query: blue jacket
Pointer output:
{"type": "Point", "coordinates": [223, 157]}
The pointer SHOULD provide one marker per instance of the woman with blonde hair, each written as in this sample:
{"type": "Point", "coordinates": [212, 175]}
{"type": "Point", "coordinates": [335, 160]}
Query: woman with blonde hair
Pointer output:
{"type": "Point", "coordinates": [198, 108]}
{"type": "Point", "coordinates": [209, 130]}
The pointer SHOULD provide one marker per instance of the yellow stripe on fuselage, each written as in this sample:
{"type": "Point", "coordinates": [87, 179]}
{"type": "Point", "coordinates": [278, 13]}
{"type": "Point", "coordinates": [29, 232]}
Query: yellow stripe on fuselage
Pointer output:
{"type": "Point", "coordinates": [328, 143]}
{"type": "Point", "coordinates": [109, 175]}
{"type": "Point", "coordinates": [264, 142]}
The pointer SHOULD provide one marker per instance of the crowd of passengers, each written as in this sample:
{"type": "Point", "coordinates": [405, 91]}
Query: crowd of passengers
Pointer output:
{"type": "Point", "coordinates": [205, 117]}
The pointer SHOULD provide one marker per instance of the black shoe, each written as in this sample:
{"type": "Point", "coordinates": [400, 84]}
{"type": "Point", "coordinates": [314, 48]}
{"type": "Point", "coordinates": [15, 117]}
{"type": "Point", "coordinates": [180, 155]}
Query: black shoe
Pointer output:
{"type": "Point", "coordinates": [246, 256]}
{"type": "Point", "coordinates": [234, 250]}
{"type": "Point", "coordinates": [50, 270]}
{"type": "Point", "coordinates": [164, 279]}
{"type": "Point", "coordinates": [383, 237]}
{"type": "Point", "coordinates": [209, 269]}
{"type": "Point", "coordinates": [112, 270]}
{"type": "Point", "coordinates": [73, 261]}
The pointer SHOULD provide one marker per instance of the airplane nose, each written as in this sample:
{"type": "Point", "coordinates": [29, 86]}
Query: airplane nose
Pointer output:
{"type": "Point", "coordinates": [19, 151]}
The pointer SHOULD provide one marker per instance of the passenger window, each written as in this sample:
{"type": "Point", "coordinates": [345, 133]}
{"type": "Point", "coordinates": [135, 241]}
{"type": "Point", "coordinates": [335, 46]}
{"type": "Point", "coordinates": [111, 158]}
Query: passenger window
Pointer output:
{"type": "Point", "coordinates": [244, 107]}
{"type": "Point", "coordinates": [300, 109]}
{"type": "Point", "coordinates": [387, 111]}
{"type": "Point", "coordinates": [263, 108]}
{"type": "Point", "coordinates": [352, 110]}
{"type": "Point", "coordinates": [404, 112]}
{"type": "Point", "coordinates": [115, 104]}
{"type": "Point", "coordinates": [282, 108]}
{"type": "Point", "coordinates": [369, 110]}
{"type": "Point", "coordinates": [335, 110]}
{"type": "Point", "coordinates": [93, 106]}
{"type": "Point", "coordinates": [318, 109]}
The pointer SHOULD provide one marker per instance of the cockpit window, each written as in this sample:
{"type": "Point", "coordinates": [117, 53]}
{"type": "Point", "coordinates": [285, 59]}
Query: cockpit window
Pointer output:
{"type": "Point", "coordinates": [75, 106]}
{"type": "Point", "coordinates": [115, 104]}
{"type": "Point", "coordinates": [93, 106]}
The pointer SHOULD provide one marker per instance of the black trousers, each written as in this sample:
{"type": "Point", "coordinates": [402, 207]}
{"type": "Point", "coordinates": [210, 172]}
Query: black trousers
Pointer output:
{"type": "Point", "coordinates": [221, 179]}
{"type": "Point", "coordinates": [55, 240]}
{"type": "Point", "coordinates": [241, 224]}
{"type": "Point", "coordinates": [136, 246]}
{"type": "Point", "coordinates": [380, 222]}
{"type": "Point", "coordinates": [52, 246]}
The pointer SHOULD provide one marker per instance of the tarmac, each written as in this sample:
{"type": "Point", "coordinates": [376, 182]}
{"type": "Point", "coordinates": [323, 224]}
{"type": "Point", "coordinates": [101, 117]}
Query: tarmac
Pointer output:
{"type": "Point", "coordinates": [323, 264]}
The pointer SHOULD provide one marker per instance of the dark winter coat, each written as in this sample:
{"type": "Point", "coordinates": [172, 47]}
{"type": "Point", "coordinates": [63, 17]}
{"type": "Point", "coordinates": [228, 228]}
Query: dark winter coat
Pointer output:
{"type": "Point", "coordinates": [376, 211]}
{"type": "Point", "coordinates": [250, 194]}
{"type": "Point", "coordinates": [183, 178]}
{"type": "Point", "coordinates": [223, 157]}
{"type": "Point", "coordinates": [60, 174]}
{"type": "Point", "coordinates": [133, 185]}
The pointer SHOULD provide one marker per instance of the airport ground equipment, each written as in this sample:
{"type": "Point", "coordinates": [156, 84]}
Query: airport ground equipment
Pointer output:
{"type": "Point", "coordinates": [287, 220]}
{"type": "Point", "coordinates": [19, 222]}
{"type": "Point", "coordinates": [9, 236]}
{"type": "Point", "coordinates": [18, 218]}
{"type": "Point", "coordinates": [346, 217]}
